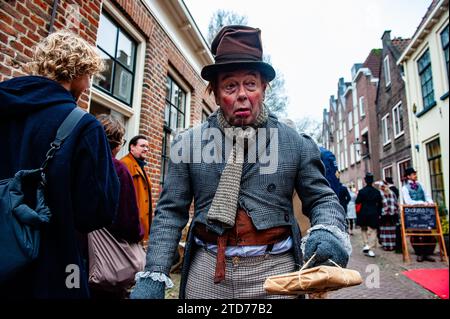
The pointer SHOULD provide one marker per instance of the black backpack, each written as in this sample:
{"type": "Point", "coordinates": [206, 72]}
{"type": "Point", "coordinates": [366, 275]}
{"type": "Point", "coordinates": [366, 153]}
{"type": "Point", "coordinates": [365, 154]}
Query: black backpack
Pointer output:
{"type": "Point", "coordinates": [23, 209]}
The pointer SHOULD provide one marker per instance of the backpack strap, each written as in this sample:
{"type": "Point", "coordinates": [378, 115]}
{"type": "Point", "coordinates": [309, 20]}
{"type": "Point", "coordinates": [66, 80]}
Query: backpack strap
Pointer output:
{"type": "Point", "coordinates": [64, 130]}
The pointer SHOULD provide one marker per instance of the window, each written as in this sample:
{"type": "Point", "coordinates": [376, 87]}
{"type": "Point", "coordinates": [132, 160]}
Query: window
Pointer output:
{"type": "Point", "coordinates": [426, 80]}
{"type": "Point", "coordinates": [397, 120]}
{"type": "Point", "coordinates": [174, 118]}
{"type": "Point", "coordinates": [387, 71]}
{"type": "Point", "coordinates": [352, 154]}
{"type": "Point", "coordinates": [385, 129]}
{"type": "Point", "coordinates": [350, 121]}
{"type": "Point", "coordinates": [444, 42]}
{"type": "Point", "coordinates": [118, 51]}
{"type": "Point", "coordinates": [436, 174]}
{"type": "Point", "coordinates": [362, 113]}
{"type": "Point", "coordinates": [365, 149]}
{"type": "Point", "coordinates": [345, 154]}
{"type": "Point", "coordinates": [402, 166]}
{"type": "Point", "coordinates": [387, 172]}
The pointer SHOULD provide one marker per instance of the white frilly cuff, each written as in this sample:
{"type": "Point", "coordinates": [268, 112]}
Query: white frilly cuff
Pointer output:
{"type": "Point", "coordinates": [157, 276]}
{"type": "Point", "coordinates": [343, 237]}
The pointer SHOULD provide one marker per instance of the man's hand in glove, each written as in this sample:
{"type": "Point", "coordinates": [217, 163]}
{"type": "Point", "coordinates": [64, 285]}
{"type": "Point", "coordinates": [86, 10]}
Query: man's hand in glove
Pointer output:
{"type": "Point", "coordinates": [147, 288]}
{"type": "Point", "coordinates": [326, 246]}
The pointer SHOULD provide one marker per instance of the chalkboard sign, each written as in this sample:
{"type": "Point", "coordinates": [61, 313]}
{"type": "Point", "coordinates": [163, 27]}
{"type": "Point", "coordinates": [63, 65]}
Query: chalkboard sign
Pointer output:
{"type": "Point", "coordinates": [420, 217]}
{"type": "Point", "coordinates": [421, 221]}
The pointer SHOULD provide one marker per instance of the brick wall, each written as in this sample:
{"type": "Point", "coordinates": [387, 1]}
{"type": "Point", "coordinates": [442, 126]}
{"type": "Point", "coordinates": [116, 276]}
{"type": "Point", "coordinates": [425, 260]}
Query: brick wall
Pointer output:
{"type": "Point", "coordinates": [388, 97]}
{"type": "Point", "coordinates": [24, 23]}
{"type": "Point", "coordinates": [368, 89]}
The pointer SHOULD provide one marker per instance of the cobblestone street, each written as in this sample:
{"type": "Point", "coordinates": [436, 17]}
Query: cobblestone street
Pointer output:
{"type": "Point", "coordinates": [389, 265]}
{"type": "Point", "coordinates": [392, 283]}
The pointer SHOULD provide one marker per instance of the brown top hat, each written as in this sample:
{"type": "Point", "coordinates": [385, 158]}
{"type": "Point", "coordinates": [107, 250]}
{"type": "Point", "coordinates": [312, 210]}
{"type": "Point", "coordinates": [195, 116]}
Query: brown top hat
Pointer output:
{"type": "Point", "coordinates": [237, 47]}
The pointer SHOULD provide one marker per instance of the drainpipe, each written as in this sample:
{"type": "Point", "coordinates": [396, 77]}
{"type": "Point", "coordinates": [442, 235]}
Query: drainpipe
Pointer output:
{"type": "Point", "coordinates": [52, 21]}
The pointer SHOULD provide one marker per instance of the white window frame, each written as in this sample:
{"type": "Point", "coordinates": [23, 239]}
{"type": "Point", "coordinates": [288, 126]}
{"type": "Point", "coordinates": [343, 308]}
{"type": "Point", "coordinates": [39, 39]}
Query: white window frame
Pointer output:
{"type": "Point", "coordinates": [385, 129]}
{"type": "Point", "coordinates": [133, 113]}
{"type": "Point", "coordinates": [361, 107]}
{"type": "Point", "coordinates": [445, 75]}
{"type": "Point", "coordinates": [182, 84]}
{"type": "Point", "coordinates": [345, 154]}
{"type": "Point", "coordinates": [387, 71]}
{"type": "Point", "coordinates": [352, 154]}
{"type": "Point", "coordinates": [350, 121]}
{"type": "Point", "coordinates": [395, 112]}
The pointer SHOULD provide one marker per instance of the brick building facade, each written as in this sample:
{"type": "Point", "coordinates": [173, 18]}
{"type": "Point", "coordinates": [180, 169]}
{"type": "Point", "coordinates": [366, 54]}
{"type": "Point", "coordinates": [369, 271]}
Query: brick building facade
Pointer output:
{"type": "Point", "coordinates": [352, 123]}
{"type": "Point", "coordinates": [154, 53]}
{"type": "Point", "coordinates": [394, 135]}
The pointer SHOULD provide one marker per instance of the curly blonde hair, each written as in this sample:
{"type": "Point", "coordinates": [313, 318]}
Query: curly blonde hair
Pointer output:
{"type": "Point", "coordinates": [64, 56]}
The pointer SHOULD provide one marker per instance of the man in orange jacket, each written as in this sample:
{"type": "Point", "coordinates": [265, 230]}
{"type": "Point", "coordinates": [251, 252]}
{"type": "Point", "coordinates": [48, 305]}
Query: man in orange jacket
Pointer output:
{"type": "Point", "coordinates": [135, 162]}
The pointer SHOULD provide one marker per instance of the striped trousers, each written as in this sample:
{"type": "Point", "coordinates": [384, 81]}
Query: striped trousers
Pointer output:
{"type": "Point", "coordinates": [244, 276]}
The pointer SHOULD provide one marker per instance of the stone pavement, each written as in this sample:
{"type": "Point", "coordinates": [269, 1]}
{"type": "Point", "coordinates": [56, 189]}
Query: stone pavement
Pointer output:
{"type": "Point", "coordinates": [387, 267]}
{"type": "Point", "coordinates": [382, 275]}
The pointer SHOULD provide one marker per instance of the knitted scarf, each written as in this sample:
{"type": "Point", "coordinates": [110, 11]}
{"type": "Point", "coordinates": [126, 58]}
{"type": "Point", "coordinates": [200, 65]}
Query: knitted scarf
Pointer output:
{"type": "Point", "coordinates": [224, 205]}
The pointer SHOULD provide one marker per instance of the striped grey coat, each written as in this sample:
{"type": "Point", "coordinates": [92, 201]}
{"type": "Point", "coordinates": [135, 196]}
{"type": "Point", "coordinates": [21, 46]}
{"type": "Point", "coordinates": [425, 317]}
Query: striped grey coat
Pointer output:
{"type": "Point", "coordinates": [266, 197]}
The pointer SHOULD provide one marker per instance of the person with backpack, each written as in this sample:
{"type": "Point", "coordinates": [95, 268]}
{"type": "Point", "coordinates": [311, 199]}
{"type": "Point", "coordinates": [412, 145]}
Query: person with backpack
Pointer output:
{"type": "Point", "coordinates": [81, 186]}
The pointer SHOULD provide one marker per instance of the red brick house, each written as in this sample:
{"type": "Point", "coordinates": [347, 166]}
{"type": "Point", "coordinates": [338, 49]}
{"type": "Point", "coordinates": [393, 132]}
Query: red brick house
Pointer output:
{"type": "Point", "coordinates": [154, 53]}
{"type": "Point", "coordinates": [393, 121]}
{"type": "Point", "coordinates": [353, 123]}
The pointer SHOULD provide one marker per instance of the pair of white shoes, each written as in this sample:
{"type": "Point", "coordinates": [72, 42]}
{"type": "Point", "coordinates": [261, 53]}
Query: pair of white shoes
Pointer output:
{"type": "Point", "coordinates": [368, 252]}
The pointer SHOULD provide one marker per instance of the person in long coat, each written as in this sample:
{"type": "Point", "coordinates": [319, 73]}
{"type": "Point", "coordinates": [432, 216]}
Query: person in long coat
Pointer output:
{"type": "Point", "coordinates": [82, 186]}
{"type": "Point", "coordinates": [369, 216]}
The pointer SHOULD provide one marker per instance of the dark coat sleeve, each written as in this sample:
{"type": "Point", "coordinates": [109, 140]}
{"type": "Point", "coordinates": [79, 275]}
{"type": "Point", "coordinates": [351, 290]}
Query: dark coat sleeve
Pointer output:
{"type": "Point", "coordinates": [344, 197]}
{"type": "Point", "coordinates": [126, 225]}
{"type": "Point", "coordinates": [319, 202]}
{"type": "Point", "coordinates": [95, 182]}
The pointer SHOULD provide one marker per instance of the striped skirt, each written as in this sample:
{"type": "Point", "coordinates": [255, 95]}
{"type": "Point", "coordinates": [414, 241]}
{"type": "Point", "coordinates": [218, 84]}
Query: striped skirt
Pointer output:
{"type": "Point", "coordinates": [244, 276]}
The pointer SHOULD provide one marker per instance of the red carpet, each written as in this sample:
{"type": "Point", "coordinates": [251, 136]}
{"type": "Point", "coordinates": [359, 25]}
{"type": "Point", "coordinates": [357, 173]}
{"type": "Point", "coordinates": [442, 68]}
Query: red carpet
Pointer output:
{"type": "Point", "coordinates": [435, 280]}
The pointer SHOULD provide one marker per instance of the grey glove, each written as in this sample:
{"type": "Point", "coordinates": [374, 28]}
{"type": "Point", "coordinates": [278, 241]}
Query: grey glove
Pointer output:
{"type": "Point", "coordinates": [326, 246]}
{"type": "Point", "coordinates": [147, 288]}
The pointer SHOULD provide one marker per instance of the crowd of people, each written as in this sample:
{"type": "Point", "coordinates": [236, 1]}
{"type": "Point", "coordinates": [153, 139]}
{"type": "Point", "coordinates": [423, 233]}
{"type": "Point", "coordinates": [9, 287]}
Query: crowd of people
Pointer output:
{"type": "Point", "coordinates": [375, 209]}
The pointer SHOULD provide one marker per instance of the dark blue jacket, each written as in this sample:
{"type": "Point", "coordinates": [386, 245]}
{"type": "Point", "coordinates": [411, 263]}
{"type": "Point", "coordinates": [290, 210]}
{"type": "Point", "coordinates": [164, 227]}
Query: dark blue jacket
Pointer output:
{"type": "Point", "coordinates": [82, 190]}
{"type": "Point", "coordinates": [329, 160]}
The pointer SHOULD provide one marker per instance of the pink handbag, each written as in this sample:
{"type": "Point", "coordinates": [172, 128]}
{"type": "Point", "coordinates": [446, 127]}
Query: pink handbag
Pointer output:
{"type": "Point", "coordinates": [113, 263]}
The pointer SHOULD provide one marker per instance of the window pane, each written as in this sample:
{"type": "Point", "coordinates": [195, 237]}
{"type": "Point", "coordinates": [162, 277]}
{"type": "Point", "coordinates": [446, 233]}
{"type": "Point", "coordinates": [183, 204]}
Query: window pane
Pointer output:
{"type": "Point", "coordinates": [444, 37]}
{"type": "Point", "coordinates": [167, 114]}
{"type": "Point", "coordinates": [168, 85]}
{"type": "Point", "coordinates": [173, 118]}
{"type": "Point", "coordinates": [180, 119]}
{"type": "Point", "coordinates": [122, 84]}
{"type": "Point", "coordinates": [106, 35]}
{"type": "Point", "coordinates": [174, 97]}
{"type": "Point", "coordinates": [181, 100]}
{"type": "Point", "coordinates": [104, 78]}
{"type": "Point", "coordinates": [125, 50]}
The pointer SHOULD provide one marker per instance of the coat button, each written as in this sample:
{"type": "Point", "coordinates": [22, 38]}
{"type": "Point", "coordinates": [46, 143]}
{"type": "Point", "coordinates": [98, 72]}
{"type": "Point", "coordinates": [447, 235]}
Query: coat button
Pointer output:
{"type": "Point", "coordinates": [271, 188]}
{"type": "Point", "coordinates": [286, 217]}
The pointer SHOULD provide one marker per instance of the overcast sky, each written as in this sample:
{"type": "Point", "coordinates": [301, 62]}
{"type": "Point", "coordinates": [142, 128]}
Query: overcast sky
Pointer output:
{"type": "Point", "coordinates": [314, 43]}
